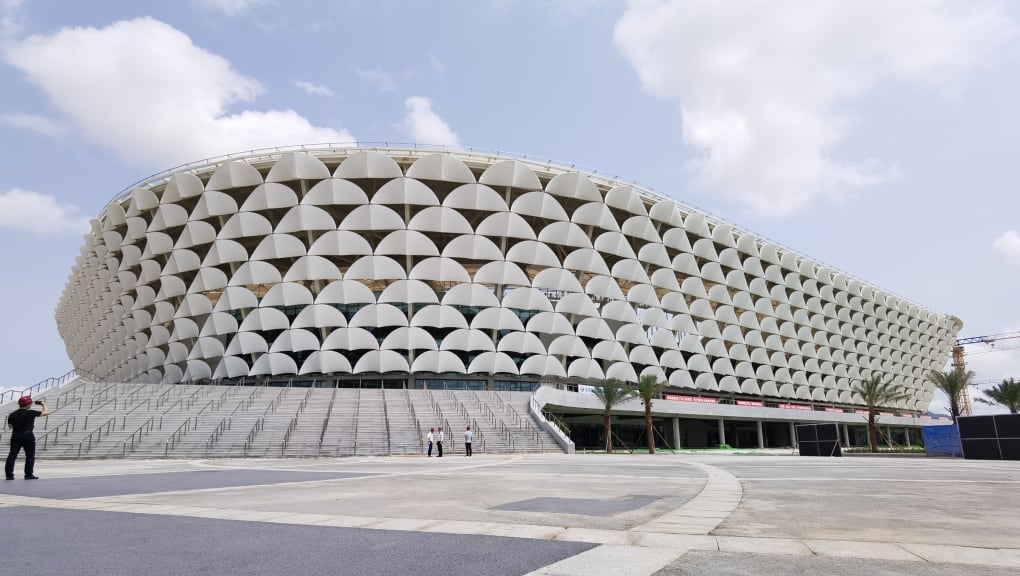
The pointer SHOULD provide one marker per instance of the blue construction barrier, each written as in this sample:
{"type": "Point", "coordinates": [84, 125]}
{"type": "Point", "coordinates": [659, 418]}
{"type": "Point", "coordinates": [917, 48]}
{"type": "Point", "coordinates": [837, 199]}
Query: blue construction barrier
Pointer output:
{"type": "Point", "coordinates": [942, 441]}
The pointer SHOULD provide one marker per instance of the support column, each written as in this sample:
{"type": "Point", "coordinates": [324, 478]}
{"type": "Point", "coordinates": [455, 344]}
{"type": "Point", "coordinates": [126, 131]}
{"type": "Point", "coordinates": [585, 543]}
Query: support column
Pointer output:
{"type": "Point", "coordinates": [676, 433]}
{"type": "Point", "coordinates": [761, 436]}
{"type": "Point", "coordinates": [793, 435]}
{"type": "Point", "coordinates": [722, 431]}
{"type": "Point", "coordinates": [846, 436]}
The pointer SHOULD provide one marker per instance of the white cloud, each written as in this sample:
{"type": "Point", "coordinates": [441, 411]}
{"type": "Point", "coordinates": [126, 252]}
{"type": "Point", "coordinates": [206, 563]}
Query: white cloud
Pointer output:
{"type": "Point", "coordinates": [376, 77]}
{"type": "Point", "coordinates": [11, 18]}
{"type": "Point", "coordinates": [1008, 246]}
{"type": "Point", "coordinates": [35, 123]}
{"type": "Point", "coordinates": [766, 93]}
{"type": "Point", "coordinates": [230, 7]}
{"type": "Point", "coordinates": [39, 214]}
{"type": "Point", "coordinates": [314, 89]}
{"type": "Point", "coordinates": [436, 65]}
{"type": "Point", "coordinates": [142, 89]}
{"type": "Point", "coordinates": [425, 126]}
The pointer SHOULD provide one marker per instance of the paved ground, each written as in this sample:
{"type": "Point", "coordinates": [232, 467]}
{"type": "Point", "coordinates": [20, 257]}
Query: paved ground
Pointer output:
{"type": "Point", "coordinates": [536, 514]}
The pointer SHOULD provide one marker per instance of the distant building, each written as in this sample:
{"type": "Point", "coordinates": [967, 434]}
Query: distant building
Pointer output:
{"type": "Point", "coordinates": [403, 267]}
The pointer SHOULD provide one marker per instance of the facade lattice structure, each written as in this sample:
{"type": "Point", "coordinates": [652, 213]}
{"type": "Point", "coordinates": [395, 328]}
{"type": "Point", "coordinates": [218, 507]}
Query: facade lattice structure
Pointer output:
{"type": "Point", "coordinates": [355, 261]}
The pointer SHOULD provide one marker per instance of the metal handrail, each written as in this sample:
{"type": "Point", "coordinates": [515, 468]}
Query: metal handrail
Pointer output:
{"type": "Point", "coordinates": [518, 419]}
{"type": "Point", "coordinates": [140, 404]}
{"type": "Point", "coordinates": [171, 442]}
{"type": "Point", "coordinates": [93, 411]}
{"type": "Point", "coordinates": [286, 435]}
{"type": "Point", "coordinates": [174, 405]}
{"type": "Point", "coordinates": [223, 426]}
{"type": "Point", "coordinates": [304, 401]}
{"type": "Point", "coordinates": [136, 392]}
{"type": "Point", "coordinates": [46, 422]}
{"type": "Point", "coordinates": [325, 421]}
{"type": "Point", "coordinates": [414, 417]}
{"type": "Point", "coordinates": [60, 399]}
{"type": "Point", "coordinates": [478, 438]}
{"type": "Point", "coordinates": [101, 395]}
{"type": "Point", "coordinates": [39, 386]}
{"type": "Point", "coordinates": [147, 426]}
{"type": "Point", "coordinates": [260, 423]}
{"type": "Point", "coordinates": [247, 402]}
{"type": "Point", "coordinates": [190, 401]}
{"type": "Point", "coordinates": [357, 415]}
{"type": "Point", "coordinates": [104, 426]}
{"type": "Point", "coordinates": [163, 397]}
{"type": "Point", "coordinates": [447, 428]}
{"type": "Point", "coordinates": [386, 421]}
{"type": "Point", "coordinates": [216, 403]}
{"type": "Point", "coordinates": [72, 422]}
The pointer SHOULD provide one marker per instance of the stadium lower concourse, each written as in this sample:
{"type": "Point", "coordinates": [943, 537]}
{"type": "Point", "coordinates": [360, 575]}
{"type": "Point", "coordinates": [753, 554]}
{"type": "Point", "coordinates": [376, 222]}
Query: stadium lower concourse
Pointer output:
{"type": "Point", "coordinates": [412, 271]}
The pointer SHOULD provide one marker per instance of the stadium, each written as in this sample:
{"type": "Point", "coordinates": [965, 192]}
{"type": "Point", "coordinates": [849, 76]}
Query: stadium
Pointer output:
{"type": "Point", "coordinates": [427, 270]}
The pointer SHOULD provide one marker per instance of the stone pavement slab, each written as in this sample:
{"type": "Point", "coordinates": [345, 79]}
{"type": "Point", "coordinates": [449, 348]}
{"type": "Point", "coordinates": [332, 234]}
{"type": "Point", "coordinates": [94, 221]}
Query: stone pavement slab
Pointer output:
{"type": "Point", "coordinates": [618, 514]}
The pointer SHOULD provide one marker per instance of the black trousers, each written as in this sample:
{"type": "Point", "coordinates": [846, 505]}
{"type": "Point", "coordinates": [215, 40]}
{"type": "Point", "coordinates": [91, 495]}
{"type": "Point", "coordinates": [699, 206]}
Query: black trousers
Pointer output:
{"type": "Point", "coordinates": [439, 447]}
{"type": "Point", "coordinates": [24, 440]}
{"type": "Point", "coordinates": [467, 448]}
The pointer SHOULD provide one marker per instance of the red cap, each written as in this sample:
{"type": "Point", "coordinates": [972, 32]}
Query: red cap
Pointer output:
{"type": "Point", "coordinates": [25, 401]}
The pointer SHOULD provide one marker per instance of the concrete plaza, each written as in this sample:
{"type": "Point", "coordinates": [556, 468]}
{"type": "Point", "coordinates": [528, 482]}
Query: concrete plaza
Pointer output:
{"type": "Point", "coordinates": [544, 514]}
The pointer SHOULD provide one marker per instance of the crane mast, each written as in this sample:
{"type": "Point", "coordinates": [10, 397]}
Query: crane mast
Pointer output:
{"type": "Point", "coordinates": [960, 367]}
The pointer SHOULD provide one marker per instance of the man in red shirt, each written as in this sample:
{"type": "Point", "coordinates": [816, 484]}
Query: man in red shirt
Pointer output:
{"type": "Point", "coordinates": [22, 421]}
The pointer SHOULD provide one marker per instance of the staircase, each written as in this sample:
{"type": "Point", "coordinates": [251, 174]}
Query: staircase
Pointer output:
{"type": "Point", "coordinates": [100, 420]}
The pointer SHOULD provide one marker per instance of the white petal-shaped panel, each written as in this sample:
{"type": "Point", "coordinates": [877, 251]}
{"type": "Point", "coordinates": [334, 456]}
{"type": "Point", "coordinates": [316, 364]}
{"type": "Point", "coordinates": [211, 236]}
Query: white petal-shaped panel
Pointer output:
{"type": "Point", "coordinates": [510, 173]}
{"type": "Point", "coordinates": [477, 295]}
{"type": "Point", "coordinates": [475, 197]}
{"type": "Point", "coordinates": [368, 164]}
{"type": "Point", "coordinates": [440, 167]}
{"type": "Point", "coordinates": [438, 361]}
{"type": "Point", "coordinates": [492, 363]}
{"type": "Point", "coordinates": [401, 191]}
{"type": "Point", "coordinates": [297, 166]}
{"type": "Point", "coordinates": [273, 364]}
{"type": "Point", "coordinates": [269, 197]}
{"type": "Point", "coordinates": [326, 362]}
{"type": "Point", "coordinates": [439, 269]}
{"type": "Point", "coordinates": [439, 316]}
{"type": "Point", "coordinates": [381, 361]}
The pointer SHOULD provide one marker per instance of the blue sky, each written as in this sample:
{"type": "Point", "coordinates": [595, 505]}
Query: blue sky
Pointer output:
{"type": "Point", "coordinates": [879, 137]}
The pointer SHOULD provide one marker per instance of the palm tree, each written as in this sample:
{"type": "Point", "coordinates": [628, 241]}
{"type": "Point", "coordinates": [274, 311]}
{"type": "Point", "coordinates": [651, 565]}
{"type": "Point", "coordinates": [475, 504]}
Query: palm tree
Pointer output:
{"type": "Point", "coordinates": [953, 383]}
{"type": "Point", "coordinates": [875, 393]}
{"type": "Point", "coordinates": [1006, 393]}
{"type": "Point", "coordinates": [612, 392]}
{"type": "Point", "coordinates": [648, 389]}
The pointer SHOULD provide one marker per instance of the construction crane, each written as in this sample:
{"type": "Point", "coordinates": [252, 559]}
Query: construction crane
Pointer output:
{"type": "Point", "coordinates": [960, 367]}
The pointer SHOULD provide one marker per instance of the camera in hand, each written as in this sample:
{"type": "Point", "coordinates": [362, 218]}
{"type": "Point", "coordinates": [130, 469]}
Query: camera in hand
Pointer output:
{"type": "Point", "coordinates": [38, 402]}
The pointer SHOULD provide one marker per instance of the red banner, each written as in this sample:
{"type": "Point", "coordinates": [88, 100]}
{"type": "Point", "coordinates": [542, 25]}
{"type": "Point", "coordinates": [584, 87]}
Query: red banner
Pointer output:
{"type": "Point", "coordinates": [689, 398]}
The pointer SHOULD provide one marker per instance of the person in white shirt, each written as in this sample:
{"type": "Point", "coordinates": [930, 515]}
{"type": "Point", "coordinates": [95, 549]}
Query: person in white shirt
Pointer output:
{"type": "Point", "coordinates": [439, 443]}
{"type": "Point", "coordinates": [467, 441]}
{"type": "Point", "coordinates": [430, 437]}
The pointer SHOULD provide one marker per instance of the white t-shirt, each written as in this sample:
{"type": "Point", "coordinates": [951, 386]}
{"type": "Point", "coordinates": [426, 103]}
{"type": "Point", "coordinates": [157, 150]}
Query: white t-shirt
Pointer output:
{"type": "Point", "coordinates": [467, 435]}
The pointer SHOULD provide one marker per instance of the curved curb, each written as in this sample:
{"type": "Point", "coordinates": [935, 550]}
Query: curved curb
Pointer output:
{"type": "Point", "coordinates": [706, 511]}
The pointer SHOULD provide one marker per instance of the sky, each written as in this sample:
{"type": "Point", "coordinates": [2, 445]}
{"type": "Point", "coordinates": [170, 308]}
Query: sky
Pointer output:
{"type": "Point", "coordinates": [876, 136]}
